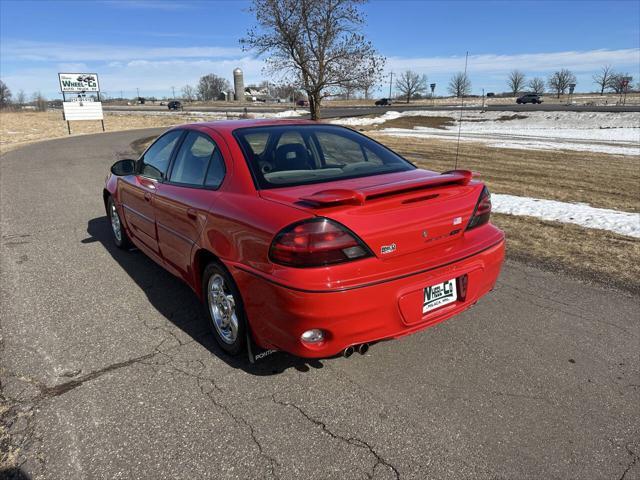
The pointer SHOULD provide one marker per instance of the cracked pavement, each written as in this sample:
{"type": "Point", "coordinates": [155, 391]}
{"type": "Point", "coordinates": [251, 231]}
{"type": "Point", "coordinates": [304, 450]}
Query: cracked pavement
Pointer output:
{"type": "Point", "coordinates": [107, 369]}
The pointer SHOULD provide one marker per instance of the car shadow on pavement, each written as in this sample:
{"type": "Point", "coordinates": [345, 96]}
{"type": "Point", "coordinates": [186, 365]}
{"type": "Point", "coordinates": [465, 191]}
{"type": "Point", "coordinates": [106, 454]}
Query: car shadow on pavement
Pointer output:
{"type": "Point", "coordinates": [14, 474]}
{"type": "Point", "coordinates": [177, 303]}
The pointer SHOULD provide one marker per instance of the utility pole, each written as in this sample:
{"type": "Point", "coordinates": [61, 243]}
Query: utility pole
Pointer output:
{"type": "Point", "coordinates": [173, 90]}
{"type": "Point", "coordinates": [138, 90]}
{"type": "Point", "coordinates": [121, 95]}
{"type": "Point", "coordinates": [390, 85]}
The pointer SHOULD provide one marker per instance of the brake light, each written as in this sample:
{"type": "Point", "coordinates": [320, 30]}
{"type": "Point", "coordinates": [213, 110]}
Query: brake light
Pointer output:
{"type": "Point", "coordinates": [316, 242]}
{"type": "Point", "coordinates": [482, 211]}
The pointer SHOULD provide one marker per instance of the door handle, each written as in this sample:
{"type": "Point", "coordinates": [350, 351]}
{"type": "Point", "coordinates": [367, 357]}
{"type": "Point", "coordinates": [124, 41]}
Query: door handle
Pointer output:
{"type": "Point", "coordinates": [147, 196]}
{"type": "Point", "coordinates": [192, 213]}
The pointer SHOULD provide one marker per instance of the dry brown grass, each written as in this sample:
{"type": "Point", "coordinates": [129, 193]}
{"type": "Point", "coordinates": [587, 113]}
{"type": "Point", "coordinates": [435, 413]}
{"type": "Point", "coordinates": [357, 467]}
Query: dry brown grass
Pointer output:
{"type": "Point", "coordinates": [20, 128]}
{"type": "Point", "coordinates": [594, 255]}
{"type": "Point", "coordinates": [606, 181]}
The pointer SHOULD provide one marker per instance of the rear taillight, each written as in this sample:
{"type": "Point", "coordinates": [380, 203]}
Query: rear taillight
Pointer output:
{"type": "Point", "coordinates": [482, 211]}
{"type": "Point", "coordinates": [315, 243]}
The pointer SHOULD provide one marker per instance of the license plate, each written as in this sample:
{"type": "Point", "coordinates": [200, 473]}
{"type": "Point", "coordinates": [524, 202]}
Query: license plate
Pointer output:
{"type": "Point", "coordinates": [438, 295]}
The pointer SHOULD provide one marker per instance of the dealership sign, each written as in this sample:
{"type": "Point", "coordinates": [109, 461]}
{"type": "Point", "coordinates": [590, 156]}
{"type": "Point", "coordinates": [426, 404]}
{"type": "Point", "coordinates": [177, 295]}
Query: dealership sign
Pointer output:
{"type": "Point", "coordinates": [79, 82]}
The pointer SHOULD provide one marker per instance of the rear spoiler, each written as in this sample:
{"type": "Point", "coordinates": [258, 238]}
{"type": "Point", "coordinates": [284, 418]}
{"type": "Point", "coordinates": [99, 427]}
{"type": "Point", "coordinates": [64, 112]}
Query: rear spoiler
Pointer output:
{"type": "Point", "coordinates": [344, 196]}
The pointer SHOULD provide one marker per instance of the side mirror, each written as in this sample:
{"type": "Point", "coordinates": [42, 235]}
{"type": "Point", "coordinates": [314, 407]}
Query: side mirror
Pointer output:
{"type": "Point", "coordinates": [123, 167]}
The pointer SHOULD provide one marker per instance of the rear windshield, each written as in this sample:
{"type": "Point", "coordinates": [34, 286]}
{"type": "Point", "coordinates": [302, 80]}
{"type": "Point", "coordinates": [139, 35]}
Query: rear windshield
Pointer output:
{"type": "Point", "coordinates": [288, 155]}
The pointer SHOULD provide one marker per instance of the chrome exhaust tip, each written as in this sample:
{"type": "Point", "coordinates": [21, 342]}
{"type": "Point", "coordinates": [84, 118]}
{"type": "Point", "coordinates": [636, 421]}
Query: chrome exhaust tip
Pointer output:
{"type": "Point", "coordinates": [363, 348]}
{"type": "Point", "coordinates": [348, 352]}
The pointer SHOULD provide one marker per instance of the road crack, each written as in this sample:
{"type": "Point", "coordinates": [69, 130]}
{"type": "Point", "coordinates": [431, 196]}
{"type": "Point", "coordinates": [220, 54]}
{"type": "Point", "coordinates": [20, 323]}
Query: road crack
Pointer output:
{"type": "Point", "coordinates": [357, 442]}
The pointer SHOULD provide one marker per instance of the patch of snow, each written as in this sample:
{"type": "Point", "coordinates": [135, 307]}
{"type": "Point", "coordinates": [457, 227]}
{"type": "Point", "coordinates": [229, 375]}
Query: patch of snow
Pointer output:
{"type": "Point", "coordinates": [285, 114]}
{"type": "Point", "coordinates": [604, 132]}
{"type": "Point", "coordinates": [623, 223]}
{"type": "Point", "coordinates": [618, 145]}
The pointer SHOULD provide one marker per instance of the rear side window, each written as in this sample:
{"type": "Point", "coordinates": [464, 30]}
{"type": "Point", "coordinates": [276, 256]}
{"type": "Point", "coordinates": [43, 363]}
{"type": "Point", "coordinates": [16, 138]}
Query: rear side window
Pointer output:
{"type": "Point", "coordinates": [155, 160]}
{"type": "Point", "coordinates": [341, 151]}
{"type": "Point", "coordinates": [198, 162]}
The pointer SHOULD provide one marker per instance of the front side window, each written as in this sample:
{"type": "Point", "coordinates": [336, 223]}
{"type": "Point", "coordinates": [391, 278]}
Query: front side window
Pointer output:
{"type": "Point", "coordinates": [301, 154]}
{"type": "Point", "coordinates": [198, 162]}
{"type": "Point", "coordinates": [155, 161]}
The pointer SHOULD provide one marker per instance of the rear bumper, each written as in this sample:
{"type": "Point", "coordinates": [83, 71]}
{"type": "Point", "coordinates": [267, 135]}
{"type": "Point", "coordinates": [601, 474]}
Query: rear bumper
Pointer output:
{"type": "Point", "coordinates": [278, 315]}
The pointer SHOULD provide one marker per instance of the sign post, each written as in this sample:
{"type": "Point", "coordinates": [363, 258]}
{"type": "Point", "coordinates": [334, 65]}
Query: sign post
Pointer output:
{"type": "Point", "coordinates": [80, 107]}
{"type": "Point", "coordinates": [433, 99]}
{"type": "Point", "coordinates": [624, 87]}
{"type": "Point", "coordinates": [572, 87]}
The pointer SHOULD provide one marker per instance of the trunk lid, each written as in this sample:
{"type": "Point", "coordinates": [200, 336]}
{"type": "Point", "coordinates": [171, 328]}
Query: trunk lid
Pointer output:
{"type": "Point", "coordinates": [394, 214]}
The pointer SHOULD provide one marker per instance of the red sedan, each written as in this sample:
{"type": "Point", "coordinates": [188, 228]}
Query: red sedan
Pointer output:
{"type": "Point", "coordinates": [305, 237]}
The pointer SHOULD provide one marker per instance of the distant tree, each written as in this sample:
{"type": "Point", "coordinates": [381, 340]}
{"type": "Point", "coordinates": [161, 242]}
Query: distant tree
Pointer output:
{"type": "Point", "coordinates": [516, 81]}
{"type": "Point", "coordinates": [460, 85]}
{"type": "Point", "coordinates": [370, 79]}
{"type": "Point", "coordinates": [536, 85]}
{"type": "Point", "coordinates": [409, 83]}
{"type": "Point", "coordinates": [316, 44]}
{"type": "Point", "coordinates": [617, 82]}
{"type": "Point", "coordinates": [189, 93]}
{"type": "Point", "coordinates": [211, 86]}
{"type": "Point", "coordinates": [39, 101]}
{"type": "Point", "coordinates": [559, 81]}
{"type": "Point", "coordinates": [348, 89]}
{"type": "Point", "coordinates": [5, 95]}
{"type": "Point", "coordinates": [603, 78]}
{"type": "Point", "coordinates": [21, 97]}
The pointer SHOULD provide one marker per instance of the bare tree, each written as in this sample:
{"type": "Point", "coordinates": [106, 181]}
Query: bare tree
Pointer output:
{"type": "Point", "coordinates": [559, 81]}
{"type": "Point", "coordinates": [371, 78]}
{"type": "Point", "coordinates": [189, 93]}
{"type": "Point", "coordinates": [617, 82]}
{"type": "Point", "coordinates": [410, 83]}
{"type": "Point", "coordinates": [536, 85]}
{"type": "Point", "coordinates": [316, 44]}
{"type": "Point", "coordinates": [460, 85]}
{"type": "Point", "coordinates": [5, 95]}
{"type": "Point", "coordinates": [516, 81]}
{"type": "Point", "coordinates": [603, 78]}
{"type": "Point", "coordinates": [21, 97]}
{"type": "Point", "coordinates": [211, 86]}
{"type": "Point", "coordinates": [39, 101]}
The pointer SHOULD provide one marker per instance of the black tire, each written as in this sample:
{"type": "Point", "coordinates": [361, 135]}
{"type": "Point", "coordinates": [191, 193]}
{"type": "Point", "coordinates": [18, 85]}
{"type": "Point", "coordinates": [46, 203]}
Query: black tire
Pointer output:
{"type": "Point", "coordinates": [122, 240]}
{"type": "Point", "coordinates": [231, 344]}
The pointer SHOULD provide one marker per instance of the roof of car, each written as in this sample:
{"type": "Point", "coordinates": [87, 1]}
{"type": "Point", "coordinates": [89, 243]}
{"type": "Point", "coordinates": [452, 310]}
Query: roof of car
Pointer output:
{"type": "Point", "coordinates": [231, 125]}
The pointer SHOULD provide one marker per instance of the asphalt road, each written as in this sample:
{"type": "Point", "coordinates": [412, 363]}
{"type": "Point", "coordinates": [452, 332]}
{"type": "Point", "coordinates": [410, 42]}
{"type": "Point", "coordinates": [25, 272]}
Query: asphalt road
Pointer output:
{"type": "Point", "coordinates": [335, 112]}
{"type": "Point", "coordinates": [109, 372]}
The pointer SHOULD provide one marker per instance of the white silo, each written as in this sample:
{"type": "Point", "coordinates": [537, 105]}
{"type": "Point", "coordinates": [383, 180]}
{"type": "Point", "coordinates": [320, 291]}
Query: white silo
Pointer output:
{"type": "Point", "coordinates": [238, 85]}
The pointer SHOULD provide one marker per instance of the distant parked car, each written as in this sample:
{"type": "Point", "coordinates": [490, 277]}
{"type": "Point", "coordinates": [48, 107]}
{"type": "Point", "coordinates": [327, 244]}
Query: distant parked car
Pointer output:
{"type": "Point", "coordinates": [491, 94]}
{"type": "Point", "coordinates": [529, 98]}
{"type": "Point", "coordinates": [302, 103]}
{"type": "Point", "coordinates": [174, 105]}
{"type": "Point", "coordinates": [383, 102]}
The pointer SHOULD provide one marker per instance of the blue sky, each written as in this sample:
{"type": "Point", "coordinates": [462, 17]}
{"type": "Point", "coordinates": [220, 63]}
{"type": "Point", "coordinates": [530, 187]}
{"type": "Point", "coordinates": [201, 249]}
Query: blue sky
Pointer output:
{"type": "Point", "coordinates": [154, 45]}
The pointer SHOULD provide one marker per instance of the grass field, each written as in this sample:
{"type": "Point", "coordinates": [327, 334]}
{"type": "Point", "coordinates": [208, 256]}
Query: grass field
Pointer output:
{"type": "Point", "coordinates": [20, 128]}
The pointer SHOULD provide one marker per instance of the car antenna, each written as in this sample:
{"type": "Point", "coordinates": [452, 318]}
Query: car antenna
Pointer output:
{"type": "Point", "coordinates": [464, 84]}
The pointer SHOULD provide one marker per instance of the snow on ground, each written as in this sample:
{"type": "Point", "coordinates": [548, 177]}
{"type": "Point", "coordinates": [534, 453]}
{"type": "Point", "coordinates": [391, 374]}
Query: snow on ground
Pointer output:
{"type": "Point", "coordinates": [623, 223]}
{"type": "Point", "coordinates": [604, 132]}
{"type": "Point", "coordinates": [213, 115]}
{"type": "Point", "coordinates": [285, 114]}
